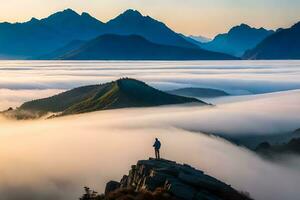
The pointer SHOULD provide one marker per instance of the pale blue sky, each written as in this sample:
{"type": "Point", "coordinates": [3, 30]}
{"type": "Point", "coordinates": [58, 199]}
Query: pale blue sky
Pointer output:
{"type": "Point", "coordinates": [204, 17]}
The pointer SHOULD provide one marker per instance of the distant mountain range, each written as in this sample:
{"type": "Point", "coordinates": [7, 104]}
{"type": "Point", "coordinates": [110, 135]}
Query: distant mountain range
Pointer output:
{"type": "Point", "coordinates": [132, 22]}
{"type": "Point", "coordinates": [67, 31]}
{"type": "Point", "coordinates": [123, 93]}
{"type": "Point", "coordinates": [132, 47]}
{"type": "Point", "coordinates": [40, 37]}
{"type": "Point", "coordinates": [238, 40]}
{"type": "Point", "coordinates": [284, 44]}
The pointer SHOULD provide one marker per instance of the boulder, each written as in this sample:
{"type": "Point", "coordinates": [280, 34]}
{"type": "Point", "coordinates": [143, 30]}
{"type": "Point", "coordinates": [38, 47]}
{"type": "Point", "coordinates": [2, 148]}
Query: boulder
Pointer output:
{"type": "Point", "coordinates": [111, 186]}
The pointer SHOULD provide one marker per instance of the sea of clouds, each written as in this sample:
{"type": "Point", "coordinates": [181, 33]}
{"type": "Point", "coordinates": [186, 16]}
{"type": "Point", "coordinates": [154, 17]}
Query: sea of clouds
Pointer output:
{"type": "Point", "coordinates": [54, 159]}
{"type": "Point", "coordinates": [235, 77]}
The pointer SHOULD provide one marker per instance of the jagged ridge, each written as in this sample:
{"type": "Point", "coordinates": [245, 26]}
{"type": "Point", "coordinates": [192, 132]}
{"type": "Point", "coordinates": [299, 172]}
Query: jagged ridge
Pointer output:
{"type": "Point", "coordinates": [284, 44]}
{"type": "Point", "coordinates": [179, 181]}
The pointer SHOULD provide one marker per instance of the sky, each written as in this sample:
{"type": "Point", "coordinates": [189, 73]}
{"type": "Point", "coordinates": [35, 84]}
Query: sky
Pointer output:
{"type": "Point", "coordinates": [196, 17]}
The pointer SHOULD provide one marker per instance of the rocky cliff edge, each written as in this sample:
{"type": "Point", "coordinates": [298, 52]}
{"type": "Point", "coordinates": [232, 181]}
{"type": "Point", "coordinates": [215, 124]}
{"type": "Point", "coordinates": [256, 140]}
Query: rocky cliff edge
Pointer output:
{"type": "Point", "coordinates": [164, 179]}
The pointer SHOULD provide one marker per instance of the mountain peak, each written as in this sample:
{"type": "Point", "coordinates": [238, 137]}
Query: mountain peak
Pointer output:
{"type": "Point", "coordinates": [133, 22]}
{"type": "Point", "coordinates": [85, 14]}
{"type": "Point", "coordinates": [130, 16]}
{"type": "Point", "coordinates": [132, 12]}
{"type": "Point", "coordinates": [33, 20]}
{"type": "Point", "coordinates": [237, 40]}
{"type": "Point", "coordinates": [243, 25]}
{"type": "Point", "coordinates": [70, 11]}
{"type": "Point", "coordinates": [128, 84]}
{"type": "Point", "coordinates": [123, 93]}
{"type": "Point", "coordinates": [246, 27]}
{"type": "Point", "coordinates": [65, 13]}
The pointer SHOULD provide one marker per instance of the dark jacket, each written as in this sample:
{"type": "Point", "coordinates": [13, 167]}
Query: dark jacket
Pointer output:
{"type": "Point", "coordinates": [157, 144]}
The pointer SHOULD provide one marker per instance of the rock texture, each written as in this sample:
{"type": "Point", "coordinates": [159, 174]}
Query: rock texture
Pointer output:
{"type": "Point", "coordinates": [180, 181]}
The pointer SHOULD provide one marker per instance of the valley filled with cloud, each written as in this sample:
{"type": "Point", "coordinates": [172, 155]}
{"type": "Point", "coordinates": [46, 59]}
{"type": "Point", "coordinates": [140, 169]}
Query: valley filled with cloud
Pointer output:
{"type": "Point", "coordinates": [55, 158]}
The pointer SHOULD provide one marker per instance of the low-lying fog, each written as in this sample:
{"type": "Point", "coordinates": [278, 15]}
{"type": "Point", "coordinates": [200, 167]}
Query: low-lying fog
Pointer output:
{"type": "Point", "coordinates": [54, 159]}
{"type": "Point", "coordinates": [235, 77]}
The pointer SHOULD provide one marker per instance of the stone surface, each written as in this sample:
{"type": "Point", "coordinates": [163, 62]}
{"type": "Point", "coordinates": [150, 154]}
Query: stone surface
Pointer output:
{"type": "Point", "coordinates": [181, 181]}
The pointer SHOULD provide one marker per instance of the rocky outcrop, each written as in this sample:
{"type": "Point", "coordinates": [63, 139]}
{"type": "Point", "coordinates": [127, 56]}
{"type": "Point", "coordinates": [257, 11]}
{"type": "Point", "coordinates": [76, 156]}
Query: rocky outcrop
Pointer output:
{"type": "Point", "coordinates": [179, 181]}
{"type": "Point", "coordinates": [273, 150]}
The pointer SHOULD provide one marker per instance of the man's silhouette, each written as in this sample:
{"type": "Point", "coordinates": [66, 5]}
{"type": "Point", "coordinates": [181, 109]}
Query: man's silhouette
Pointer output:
{"type": "Point", "coordinates": [156, 146]}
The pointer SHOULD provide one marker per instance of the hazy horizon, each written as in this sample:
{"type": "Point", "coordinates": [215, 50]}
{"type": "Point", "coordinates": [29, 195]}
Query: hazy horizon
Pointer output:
{"type": "Point", "coordinates": [37, 79]}
{"type": "Point", "coordinates": [206, 18]}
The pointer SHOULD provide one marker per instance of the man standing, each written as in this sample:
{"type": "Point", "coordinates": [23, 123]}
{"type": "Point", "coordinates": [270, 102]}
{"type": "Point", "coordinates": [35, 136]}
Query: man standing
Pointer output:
{"type": "Point", "coordinates": [156, 146]}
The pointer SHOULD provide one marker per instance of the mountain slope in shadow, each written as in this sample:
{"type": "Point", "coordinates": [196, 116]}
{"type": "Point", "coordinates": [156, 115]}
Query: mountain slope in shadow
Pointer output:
{"type": "Point", "coordinates": [284, 44]}
{"type": "Point", "coordinates": [42, 36]}
{"type": "Point", "coordinates": [237, 40]}
{"type": "Point", "coordinates": [132, 22]}
{"type": "Point", "coordinates": [123, 93]}
{"type": "Point", "coordinates": [37, 37]}
{"type": "Point", "coordinates": [75, 44]}
{"type": "Point", "coordinates": [134, 47]}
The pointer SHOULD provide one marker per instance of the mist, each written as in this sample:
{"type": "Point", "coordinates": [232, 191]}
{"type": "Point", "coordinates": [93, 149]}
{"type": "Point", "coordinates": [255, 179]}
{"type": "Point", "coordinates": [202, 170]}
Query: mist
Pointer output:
{"type": "Point", "coordinates": [54, 159]}
{"type": "Point", "coordinates": [14, 98]}
{"type": "Point", "coordinates": [26, 80]}
{"type": "Point", "coordinates": [236, 77]}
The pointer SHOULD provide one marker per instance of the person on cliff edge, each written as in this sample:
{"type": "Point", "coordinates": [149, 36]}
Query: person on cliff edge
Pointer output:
{"type": "Point", "coordinates": [157, 146]}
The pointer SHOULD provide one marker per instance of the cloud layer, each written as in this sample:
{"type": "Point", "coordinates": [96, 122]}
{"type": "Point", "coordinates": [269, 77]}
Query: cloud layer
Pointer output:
{"type": "Point", "coordinates": [54, 159]}
{"type": "Point", "coordinates": [60, 156]}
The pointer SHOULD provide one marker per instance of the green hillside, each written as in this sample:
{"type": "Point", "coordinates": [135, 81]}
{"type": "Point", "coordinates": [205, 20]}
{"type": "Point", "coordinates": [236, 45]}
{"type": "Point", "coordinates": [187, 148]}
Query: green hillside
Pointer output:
{"type": "Point", "coordinates": [123, 93]}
